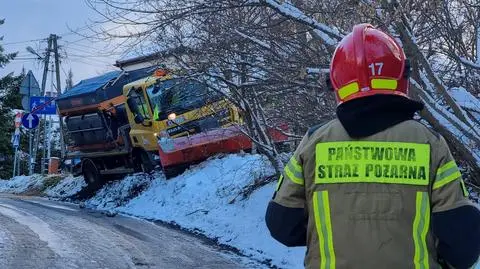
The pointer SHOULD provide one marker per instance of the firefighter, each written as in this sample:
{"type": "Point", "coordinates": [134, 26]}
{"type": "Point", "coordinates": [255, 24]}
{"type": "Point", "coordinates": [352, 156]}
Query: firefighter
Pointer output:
{"type": "Point", "coordinates": [374, 188]}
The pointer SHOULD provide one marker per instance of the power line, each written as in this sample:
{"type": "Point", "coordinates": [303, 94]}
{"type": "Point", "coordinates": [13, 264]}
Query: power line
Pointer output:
{"type": "Point", "coordinates": [25, 41]}
{"type": "Point", "coordinates": [64, 72]}
{"type": "Point", "coordinates": [71, 32]}
{"type": "Point", "coordinates": [23, 58]}
{"type": "Point", "coordinates": [69, 43]}
{"type": "Point", "coordinates": [69, 55]}
{"type": "Point", "coordinates": [95, 63]}
{"type": "Point", "coordinates": [90, 53]}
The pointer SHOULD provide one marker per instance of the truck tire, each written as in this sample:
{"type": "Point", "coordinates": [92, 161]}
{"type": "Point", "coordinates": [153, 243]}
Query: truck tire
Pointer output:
{"type": "Point", "coordinates": [143, 163]}
{"type": "Point", "coordinates": [91, 175]}
{"type": "Point", "coordinates": [173, 171]}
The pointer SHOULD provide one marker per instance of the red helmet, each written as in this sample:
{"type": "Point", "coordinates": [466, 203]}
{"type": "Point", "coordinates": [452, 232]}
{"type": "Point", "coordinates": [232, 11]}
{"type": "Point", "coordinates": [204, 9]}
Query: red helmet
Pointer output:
{"type": "Point", "coordinates": [368, 62]}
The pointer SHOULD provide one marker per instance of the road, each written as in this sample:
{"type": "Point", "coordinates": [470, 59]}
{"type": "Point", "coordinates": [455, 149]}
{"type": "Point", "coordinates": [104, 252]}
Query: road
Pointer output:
{"type": "Point", "coordinates": [38, 233]}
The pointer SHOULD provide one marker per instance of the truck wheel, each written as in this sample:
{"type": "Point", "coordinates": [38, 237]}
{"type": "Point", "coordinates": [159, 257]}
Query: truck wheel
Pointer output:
{"type": "Point", "coordinates": [173, 171]}
{"type": "Point", "coordinates": [91, 175]}
{"type": "Point", "coordinates": [143, 162]}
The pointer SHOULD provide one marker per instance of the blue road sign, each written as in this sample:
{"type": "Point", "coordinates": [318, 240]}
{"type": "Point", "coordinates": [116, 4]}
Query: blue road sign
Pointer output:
{"type": "Point", "coordinates": [30, 121]}
{"type": "Point", "coordinates": [43, 105]}
{"type": "Point", "coordinates": [16, 140]}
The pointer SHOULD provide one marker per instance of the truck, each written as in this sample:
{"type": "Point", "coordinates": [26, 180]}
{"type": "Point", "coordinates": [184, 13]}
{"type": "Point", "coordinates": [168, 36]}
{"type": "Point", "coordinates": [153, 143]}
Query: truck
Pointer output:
{"type": "Point", "coordinates": [125, 122]}
{"type": "Point", "coordinates": [185, 120]}
{"type": "Point", "coordinates": [97, 129]}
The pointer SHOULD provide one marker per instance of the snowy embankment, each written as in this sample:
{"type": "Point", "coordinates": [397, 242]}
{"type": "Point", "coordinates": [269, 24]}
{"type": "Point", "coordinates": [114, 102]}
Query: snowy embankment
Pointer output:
{"type": "Point", "coordinates": [208, 199]}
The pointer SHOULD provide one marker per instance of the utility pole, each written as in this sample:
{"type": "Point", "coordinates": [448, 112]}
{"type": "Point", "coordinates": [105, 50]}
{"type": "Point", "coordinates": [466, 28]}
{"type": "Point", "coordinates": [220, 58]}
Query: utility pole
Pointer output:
{"type": "Point", "coordinates": [59, 92]}
{"type": "Point", "coordinates": [31, 160]}
{"type": "Point", "coordinates": [47, 129]}
{"type": "Point", "coordinates": [44, 82]}
{"type": "Point", "coordinates": [55, 68]}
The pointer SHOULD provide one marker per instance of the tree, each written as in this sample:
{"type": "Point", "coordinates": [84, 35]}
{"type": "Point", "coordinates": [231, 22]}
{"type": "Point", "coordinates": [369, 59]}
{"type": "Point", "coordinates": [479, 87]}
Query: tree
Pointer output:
{"type": "Point", "coordinates": [11, 99]}
{"type": "Point", "coordinates": [264, 51]}
{"type": "Point", "coordinates": [69, 80]}
{"type": "Point", "coordinates": [5, 58]}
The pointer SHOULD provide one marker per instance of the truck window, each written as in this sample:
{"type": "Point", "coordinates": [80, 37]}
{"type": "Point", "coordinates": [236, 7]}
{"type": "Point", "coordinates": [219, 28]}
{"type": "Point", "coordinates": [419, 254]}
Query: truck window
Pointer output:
{"type": "Point", "coordinates": [155, 95]}
{"type": "Point", "coordinates": [141, 104]}
{"type": "Point", "coordinates": [179, 96]}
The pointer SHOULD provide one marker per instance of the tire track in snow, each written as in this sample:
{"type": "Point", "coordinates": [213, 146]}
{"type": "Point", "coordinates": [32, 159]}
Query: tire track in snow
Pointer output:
{"type": "Point", "coordinates": [82, 231]}
{"type": "Point", "coordinates": [57, 244]}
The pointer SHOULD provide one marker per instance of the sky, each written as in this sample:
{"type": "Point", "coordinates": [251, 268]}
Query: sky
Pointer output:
{"type": "Point", "coordinates": [28, 21]}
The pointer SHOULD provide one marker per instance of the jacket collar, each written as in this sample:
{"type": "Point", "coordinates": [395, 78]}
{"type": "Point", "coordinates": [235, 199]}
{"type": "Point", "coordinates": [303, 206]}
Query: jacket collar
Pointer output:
{"type": "Point", "coordinates": [369, 115]}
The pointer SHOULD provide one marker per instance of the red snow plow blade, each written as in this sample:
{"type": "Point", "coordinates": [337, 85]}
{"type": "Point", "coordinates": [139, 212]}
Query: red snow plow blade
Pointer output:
{"type": "Point", "coordinates": [197, 147]}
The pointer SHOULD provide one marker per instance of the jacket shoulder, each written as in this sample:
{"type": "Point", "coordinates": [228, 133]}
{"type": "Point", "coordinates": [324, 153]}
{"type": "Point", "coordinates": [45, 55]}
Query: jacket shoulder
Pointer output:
{"type": "Point", "coordinates": [426, 129]}
{"type": "Point", "coordinates": [319, 126]}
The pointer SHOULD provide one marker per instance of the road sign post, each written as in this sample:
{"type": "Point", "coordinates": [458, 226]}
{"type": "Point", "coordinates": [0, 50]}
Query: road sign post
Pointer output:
{"type": "Point", "coordinates": [29, 87]}
{"type": "Point", "coordinates": [15, 144]}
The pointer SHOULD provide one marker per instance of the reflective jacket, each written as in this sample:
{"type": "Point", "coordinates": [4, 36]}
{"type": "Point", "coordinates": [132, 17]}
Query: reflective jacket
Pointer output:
{"type": "Point", "coordinates": [368, 202]}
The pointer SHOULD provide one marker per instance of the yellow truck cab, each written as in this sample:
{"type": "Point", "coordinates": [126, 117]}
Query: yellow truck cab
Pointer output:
{"type": "Point", "coordinates": [165, 108]}
{"type": "Point", "coordinates": [143, 126]}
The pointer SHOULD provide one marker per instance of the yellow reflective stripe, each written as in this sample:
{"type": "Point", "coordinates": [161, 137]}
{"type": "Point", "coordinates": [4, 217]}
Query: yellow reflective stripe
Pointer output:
{"type": "Point", "coordinates": [446, 174]}
{"type": "Point", "coordinates": [446, 166]}
{"type": "Point", "coordinates": [464, 189]}
{"type": "Point", "coordinates": [321, 207]}
{"type": "Point", "coordinates": [295, 177]}
{"type": "Point", "coordinates": [348, 90]}
{"type": "Point", "coordinates": [280, 180]}
{"type": "Point", "coordinates": [446, 180]}
{"type": "Point", "coordinates": [386, 84]}
{"type": "Point", "coordinates": [295, 164]}
{"type": "Point", "coordinates": [421, 225]}
{"type": "Point", "coordinates": [372, 162]}
{"type": "Point", "coordinates": [294, 171]}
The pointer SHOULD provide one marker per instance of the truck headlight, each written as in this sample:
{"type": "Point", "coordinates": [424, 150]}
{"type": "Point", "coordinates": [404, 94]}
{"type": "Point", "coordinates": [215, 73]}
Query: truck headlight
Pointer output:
{"type": "Point", "coordinates": [172, 116]}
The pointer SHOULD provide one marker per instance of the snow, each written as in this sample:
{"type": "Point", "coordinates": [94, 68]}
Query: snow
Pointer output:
{"type": "Point", "coordinates": [465, 99]}
{"type": "Point", "coordinates": [208, 199]}
{"type": "Point", "coordinates": [117, 193]}
{"type": "Point", "coordinates": [21, 184]}
{"type": "Point", "coordinates": [469, 63]}
{"type": "Point", "coordinates": [474, 130]}
{"type": "Point", "coordinates": [66, 188]}
{"type": "Point", "coordinates": [329, 35]}
{"type": "Point", "coordinates": [312, 70]}
{"type": "Point", "coordinates": [259, 42]}
{"type": "Point", "coordinates": [454, 130]}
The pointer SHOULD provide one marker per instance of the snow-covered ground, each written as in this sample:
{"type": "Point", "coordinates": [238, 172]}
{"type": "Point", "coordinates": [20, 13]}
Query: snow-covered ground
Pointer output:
{"type": "Point", "coordinates": [207, 199]}
{"type": "Point", "coordinates": [66, 188]}
{"type": "Point", "coordinates": [21, 184]}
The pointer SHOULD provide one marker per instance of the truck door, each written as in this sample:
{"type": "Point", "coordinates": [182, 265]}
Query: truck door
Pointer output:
{"type": "Point", "coordinates": [140, 118]}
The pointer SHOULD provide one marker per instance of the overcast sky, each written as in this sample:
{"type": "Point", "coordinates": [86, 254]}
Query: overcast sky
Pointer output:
{"type": "Point", "coordinates": [26, 21]}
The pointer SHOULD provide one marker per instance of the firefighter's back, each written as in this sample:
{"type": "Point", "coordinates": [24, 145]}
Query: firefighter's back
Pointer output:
{"type": "Point", "coordinates": [371, 198]}
{"type": "Point", "coordinates": [374, 188]}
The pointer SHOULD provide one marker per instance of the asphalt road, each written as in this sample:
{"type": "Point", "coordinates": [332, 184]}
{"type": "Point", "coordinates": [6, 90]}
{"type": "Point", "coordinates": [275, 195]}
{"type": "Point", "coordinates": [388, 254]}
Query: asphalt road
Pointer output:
{"type": "Point", "coordinates": [38, 233]}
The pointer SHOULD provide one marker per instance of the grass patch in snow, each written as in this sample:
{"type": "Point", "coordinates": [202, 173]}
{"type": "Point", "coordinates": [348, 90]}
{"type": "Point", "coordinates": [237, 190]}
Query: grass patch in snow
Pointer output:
{"type": "Point", "coordinates": [51, 181]}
